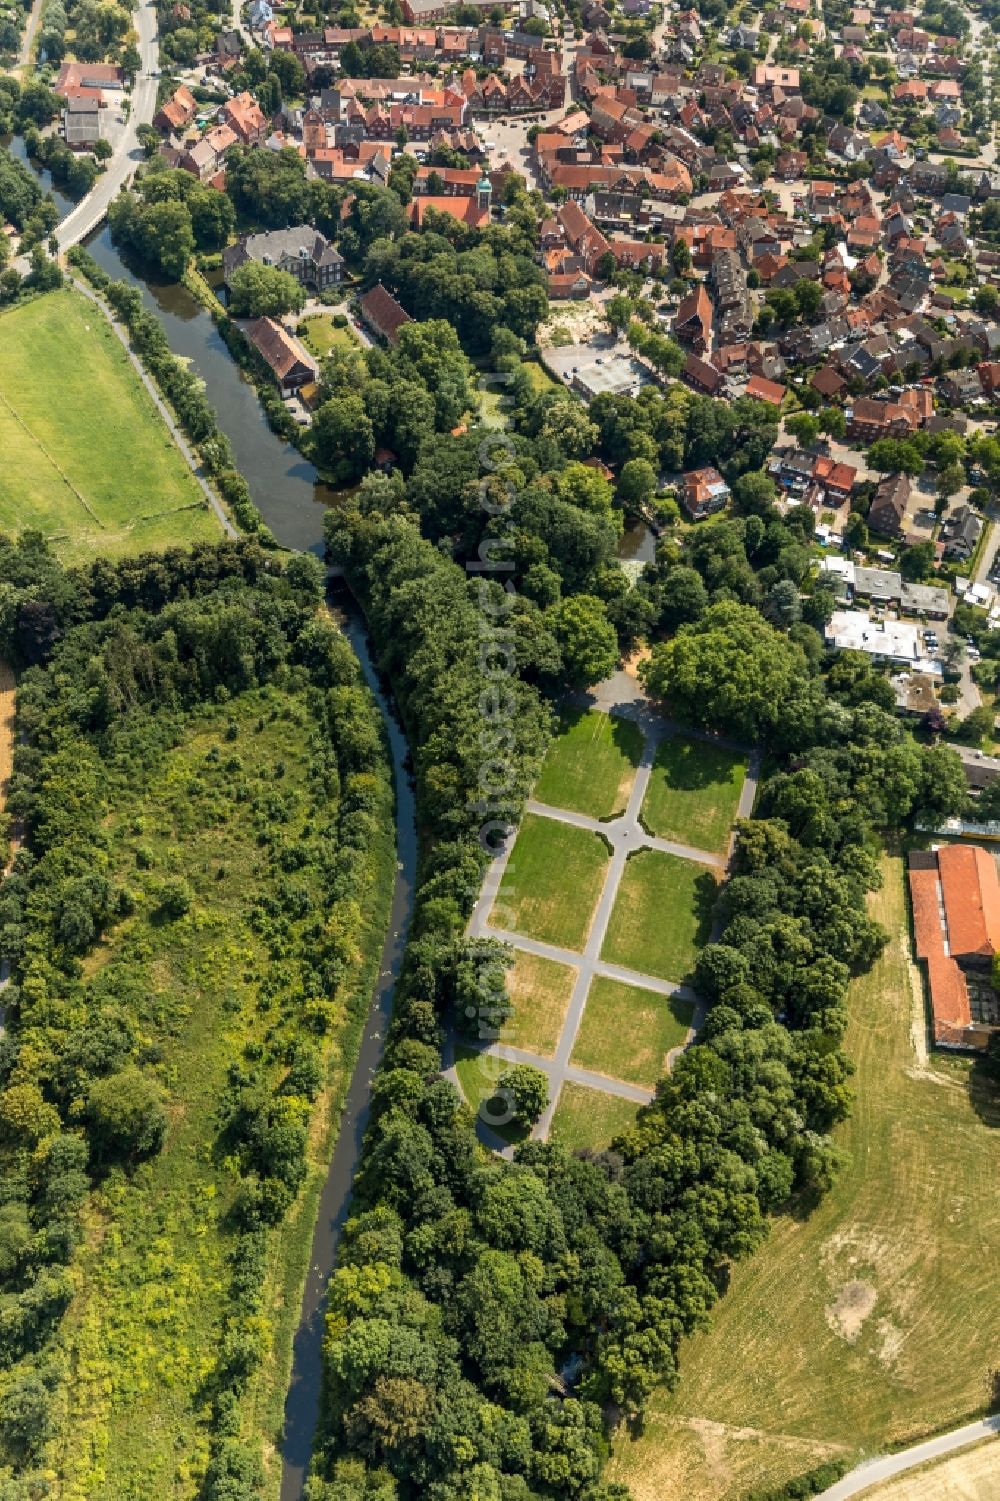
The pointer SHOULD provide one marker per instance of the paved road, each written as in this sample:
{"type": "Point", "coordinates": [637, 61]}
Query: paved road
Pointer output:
{"type": "Point", "coordinates": [161, 406]}
{"type": "Point", "coordinates": [873, 1471]}
{"type": "Point", "coordinates": [90, 211]}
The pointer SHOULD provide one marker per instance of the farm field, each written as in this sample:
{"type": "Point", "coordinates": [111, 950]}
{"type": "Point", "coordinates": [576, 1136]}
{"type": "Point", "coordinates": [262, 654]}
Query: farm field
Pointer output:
{"type": "Point", "coordinates": [587, 1118]}
{"type": "Point", "coordinates": [661, 915]}
{"type": "Point", "coordinates": [87, 459]}
{"type": "Point", "coordinates": [873, 1321]}
{"type": "Point", "coordinates": [552, 882]}
{"type": "Point", "coordinates": [693, 792]}
{"type": "Point", "coordinates": [541, 990]}
{"type": "Point", "coordinates": [627, 1032]}
{"type": "Point", "coordinates": [590, 765]}
{"type": "Point", "coordinates": [142, 1334]}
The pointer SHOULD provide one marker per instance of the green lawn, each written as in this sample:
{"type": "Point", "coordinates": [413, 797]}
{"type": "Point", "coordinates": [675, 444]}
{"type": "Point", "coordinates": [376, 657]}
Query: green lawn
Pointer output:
{"type": "Point", "coordinates": [627, 1032]}
{"type": "Point", "coordinates": [86, 458]}
{"type": "Point", "coordinates": [541, 991]}
{"type": "Point", "coordinates": [478, 1074]}
{"type": "Point", "coordinates": [693, 792]}
{"type": "Point", "coordinates": [589, 1118]}
{"type": "Point", "coordinates": [661, 916]}
{"type": "Point", "coordinates": [540, 377]}
{"type": "Point", "coordinates": [872, 1321]}
{"type": "Point", "coordinates": [590, 765]}
{"type": "Point", "coordinates": [552, 882]}
{"type": "Point", "coordinates": [152, 1275]}
{"type": "Point", "coordinates": [320, 335]}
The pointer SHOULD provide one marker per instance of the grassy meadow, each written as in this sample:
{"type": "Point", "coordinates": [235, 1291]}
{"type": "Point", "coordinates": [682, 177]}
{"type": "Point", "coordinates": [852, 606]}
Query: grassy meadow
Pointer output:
{"type": "Point", "coordinates": [693, 792]}
{"type": "Point", "coordinates": [661, 916]}
{"type": "Point", "coordinates": [590, 765]}
{"type": "Point", "coordinates": [552, 882]}
{"type": "Point", "coordinates": [86, 458]}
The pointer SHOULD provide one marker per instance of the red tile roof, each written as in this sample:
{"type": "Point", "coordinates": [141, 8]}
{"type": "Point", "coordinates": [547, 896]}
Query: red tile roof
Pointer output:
{"type": "Point", "coordinates": [971, 900]}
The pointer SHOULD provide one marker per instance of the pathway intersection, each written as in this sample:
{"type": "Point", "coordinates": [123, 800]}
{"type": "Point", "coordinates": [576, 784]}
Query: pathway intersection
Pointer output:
{"type": "Point", "coordinates": [623, 697]}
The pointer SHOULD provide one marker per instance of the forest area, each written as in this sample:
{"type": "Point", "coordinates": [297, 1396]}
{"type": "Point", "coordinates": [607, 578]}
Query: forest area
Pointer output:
{"type": "Point", "coordinates": [193, 922]}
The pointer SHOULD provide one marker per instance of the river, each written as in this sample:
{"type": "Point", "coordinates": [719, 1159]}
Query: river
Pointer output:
{"type": "Point", "coordinates": [292, 500]}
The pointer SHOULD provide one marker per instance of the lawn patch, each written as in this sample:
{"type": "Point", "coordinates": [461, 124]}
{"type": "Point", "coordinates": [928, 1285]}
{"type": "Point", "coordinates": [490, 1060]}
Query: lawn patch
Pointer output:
{"type": "Point", "coordinates": [661, 915]}
{"type": "Point", "coordinates": [693, 792]}
{"type": "Point", "coordinates": [591, 764]}
{"type": "Point", "coordinates": [627, 1032]}
{"type": "Point", "coordinates": [909, 1216]}
{"type": "Point", "coordinates": [87, 459]}
{"type": "Point", "coordinates": [541, 990]}
{"type": "Point", "coordinates": [320, 335]}
{"type": "Point", "coordinates": [552, 882]}
{"type": "Point", "coordinates": [589, 1118]}
{"type": "Point", "coordinates": [478, 1072]}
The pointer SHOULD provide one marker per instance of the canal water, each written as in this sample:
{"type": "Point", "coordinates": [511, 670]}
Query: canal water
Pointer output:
{"type": "Point", "coordinates": [285, 487]}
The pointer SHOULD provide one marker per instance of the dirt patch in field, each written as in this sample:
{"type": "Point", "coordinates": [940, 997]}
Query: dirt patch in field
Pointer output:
{"type": "Point", "coordinates": [847, 1313]}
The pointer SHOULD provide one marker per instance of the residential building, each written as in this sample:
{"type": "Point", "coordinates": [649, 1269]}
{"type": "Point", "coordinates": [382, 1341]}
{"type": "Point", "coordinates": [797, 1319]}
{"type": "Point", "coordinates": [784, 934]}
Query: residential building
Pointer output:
{"type": "Point", "coordinates": [382, 313]}
{"type": "Point", "coordinates": [890, 505]}
{"type": "Point", "coordinates": [303, 252]}
{"type": "Point", "coordinates": [955, 897]}
{"type": "Point", "coordinates": [693, 321]}
{"type": "Point", "coordinates": [704, 492]}
{"type": "Point", "coordinates": [288, 360]}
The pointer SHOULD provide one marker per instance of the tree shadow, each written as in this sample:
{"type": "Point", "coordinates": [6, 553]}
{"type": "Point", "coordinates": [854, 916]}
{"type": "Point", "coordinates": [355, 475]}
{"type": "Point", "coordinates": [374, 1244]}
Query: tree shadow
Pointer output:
{"type": "Point", "coordinates": [693, 766]}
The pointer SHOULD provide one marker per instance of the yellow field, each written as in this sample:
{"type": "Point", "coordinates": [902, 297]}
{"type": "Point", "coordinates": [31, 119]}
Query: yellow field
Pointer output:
{"type": "Point", "coordinates": [874, 1320]}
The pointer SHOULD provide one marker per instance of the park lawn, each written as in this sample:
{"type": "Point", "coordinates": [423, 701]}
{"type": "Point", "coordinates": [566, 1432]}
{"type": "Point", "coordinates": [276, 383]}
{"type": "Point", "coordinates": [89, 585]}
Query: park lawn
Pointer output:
{"type": "Point", "coordinates": [152, 1276]}
{"type": "Point", "coordinates": [694, 789]}
{"type": "Point", "coordinates": [589, 1118]}
{"type": "Point", "coordinates": [320, 335]}
{"type": "Point", "coordinates": [541, 990]}
{"type": "Point", "coordinates": [591, 764]}
{"type": "Point", "coordinates": [662, 915]}
{"type": "Point", "coordinates": [478, 1073]}
{"type": "Point", "coordinates": [627, 1032]}
{"type": "Point", "coordinates": [86, 457]}
{"type": "Point", "coordinates": [872, 1321]}
{"type": "Point", "coordinates": [552, 882]}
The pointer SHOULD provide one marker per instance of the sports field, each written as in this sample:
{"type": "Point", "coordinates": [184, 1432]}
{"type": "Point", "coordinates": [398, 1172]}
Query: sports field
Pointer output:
{"type": "Point", "coordinates": [694, 788]}
{"type": "Point", "coordinates": [86, 457]}
{"type": "Point", "coordinates": [874, 1320]}
{"type": "Point", "coordinates": [590, 765]}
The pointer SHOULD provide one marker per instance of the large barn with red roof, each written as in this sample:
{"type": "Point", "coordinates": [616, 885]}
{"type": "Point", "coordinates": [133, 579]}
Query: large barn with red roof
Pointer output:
{"type": "Point", "coordinates": [955, 898]}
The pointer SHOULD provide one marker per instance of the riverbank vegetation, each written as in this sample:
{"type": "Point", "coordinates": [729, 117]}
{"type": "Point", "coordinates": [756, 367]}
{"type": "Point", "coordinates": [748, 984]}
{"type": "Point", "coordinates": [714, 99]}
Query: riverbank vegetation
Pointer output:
{"type": "Point", "coordinates": [181, 388]}
{"type": "Point", "coordinates": [94, 467]}
{"type": "Point", "coordinates": [194, 927]}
